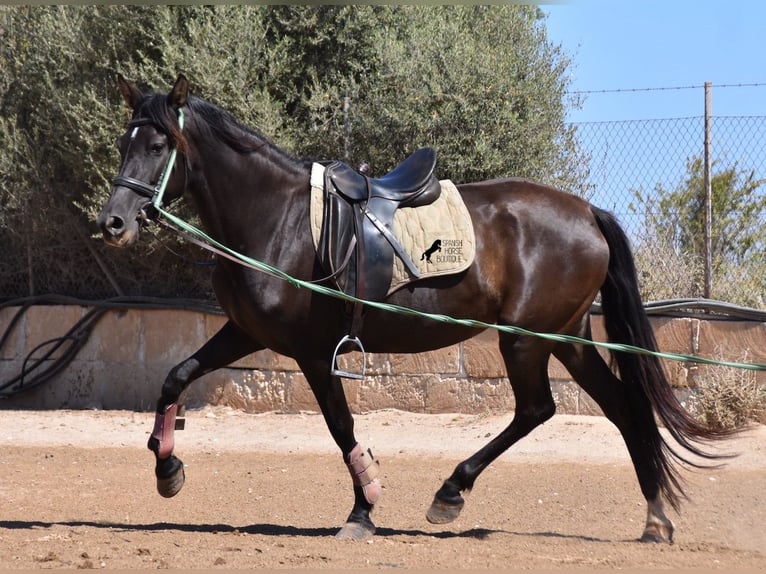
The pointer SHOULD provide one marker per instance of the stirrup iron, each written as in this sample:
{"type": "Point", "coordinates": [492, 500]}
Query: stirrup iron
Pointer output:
{"type": "Point", "coordinates": [334, 370]}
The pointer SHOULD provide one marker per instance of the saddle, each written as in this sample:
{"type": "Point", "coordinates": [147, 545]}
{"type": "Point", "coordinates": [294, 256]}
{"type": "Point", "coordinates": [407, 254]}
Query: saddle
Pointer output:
{"type": "Point", "coordinates": [356, 245]}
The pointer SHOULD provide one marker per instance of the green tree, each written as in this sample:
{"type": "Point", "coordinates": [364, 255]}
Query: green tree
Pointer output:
{"type": "Point", "coordinates": [675, 228]}
{"type": "Point", "coordinates": [480, 84]}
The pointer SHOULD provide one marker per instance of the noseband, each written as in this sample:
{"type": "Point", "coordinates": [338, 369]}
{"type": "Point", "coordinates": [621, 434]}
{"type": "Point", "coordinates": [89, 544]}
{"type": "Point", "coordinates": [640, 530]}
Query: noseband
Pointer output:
{"type": "Point", "coordinates": [153, 193]}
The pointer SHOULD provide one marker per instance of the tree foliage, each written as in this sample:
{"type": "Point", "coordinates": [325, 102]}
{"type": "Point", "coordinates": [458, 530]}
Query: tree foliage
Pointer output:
{"type": "Point", "coordinates": [480, 84]}
{"type": "Point", "coordinates": [675, 221]}
{"type": "Point", "coordinates": [736, 234]}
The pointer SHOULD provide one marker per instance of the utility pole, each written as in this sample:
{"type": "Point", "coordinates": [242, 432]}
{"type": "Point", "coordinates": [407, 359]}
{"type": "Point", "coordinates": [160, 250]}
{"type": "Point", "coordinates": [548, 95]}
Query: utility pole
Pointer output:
{"type": "Point", "coordinates": [708, 200]}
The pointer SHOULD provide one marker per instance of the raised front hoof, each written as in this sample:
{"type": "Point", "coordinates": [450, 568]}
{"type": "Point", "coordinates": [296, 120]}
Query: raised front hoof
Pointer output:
{"type": "Point", "coordinates": [442, 512]}
{"type": "Point", "coordinates": [170, 476]}
{"type": "Point", "coordinates": [356, 531]}
{"type": "Point", "coordinates": [658, 534]}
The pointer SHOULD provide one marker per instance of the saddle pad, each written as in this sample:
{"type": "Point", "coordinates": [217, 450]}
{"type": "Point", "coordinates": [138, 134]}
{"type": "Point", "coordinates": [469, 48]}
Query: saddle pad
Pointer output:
{"type": "Point", "coordinates": [439, 237]}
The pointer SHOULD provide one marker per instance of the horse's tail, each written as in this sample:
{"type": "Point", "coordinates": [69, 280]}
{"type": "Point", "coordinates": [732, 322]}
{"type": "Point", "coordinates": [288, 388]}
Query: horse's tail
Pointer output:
{"type": "Point", "coordinates": [626, 322]}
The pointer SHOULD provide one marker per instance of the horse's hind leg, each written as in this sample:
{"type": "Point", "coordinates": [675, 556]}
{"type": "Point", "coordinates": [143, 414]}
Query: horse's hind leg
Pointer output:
{"type": "Point", "coordinates": [225, 347]}
{"type": "Point", "coordinates": [631, 414]}
{"type": "Point", "coordinates": [526, 360]}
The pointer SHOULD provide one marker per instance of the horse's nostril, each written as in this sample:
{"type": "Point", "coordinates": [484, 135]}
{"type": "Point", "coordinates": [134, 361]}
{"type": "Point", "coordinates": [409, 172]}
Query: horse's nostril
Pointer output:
{"type": "Point", "coordinates": [115, 225]}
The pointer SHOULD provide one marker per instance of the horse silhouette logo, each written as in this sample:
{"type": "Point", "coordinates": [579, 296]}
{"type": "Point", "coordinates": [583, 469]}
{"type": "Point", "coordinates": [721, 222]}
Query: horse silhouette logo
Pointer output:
{"type": "Point", "coordinates": [435, 246]}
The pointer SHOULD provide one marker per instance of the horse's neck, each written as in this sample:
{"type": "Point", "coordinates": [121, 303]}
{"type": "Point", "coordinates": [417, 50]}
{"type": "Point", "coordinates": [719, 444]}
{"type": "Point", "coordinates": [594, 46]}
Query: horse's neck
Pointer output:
{"type": "Point", "coordinates": [238, 192]}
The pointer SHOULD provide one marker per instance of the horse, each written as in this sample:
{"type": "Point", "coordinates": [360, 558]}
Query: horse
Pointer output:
{"type": "Point", "coordinates": [542, 257]}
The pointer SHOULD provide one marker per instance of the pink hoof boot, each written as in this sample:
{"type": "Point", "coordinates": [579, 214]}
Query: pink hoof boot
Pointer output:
{"type": "Point", "coordinates": [364, 471]}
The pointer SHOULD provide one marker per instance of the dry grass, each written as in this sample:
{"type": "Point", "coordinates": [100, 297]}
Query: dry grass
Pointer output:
{"type": "Point", "coordinates": [728, 398]}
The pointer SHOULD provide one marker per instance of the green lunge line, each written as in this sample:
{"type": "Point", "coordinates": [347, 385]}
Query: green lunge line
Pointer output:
{"type": "Point", "coordinates": [220, 249]}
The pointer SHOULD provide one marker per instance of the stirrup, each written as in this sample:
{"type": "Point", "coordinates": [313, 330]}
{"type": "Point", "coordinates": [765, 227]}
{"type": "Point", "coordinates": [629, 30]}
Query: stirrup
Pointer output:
{"type": "Point", "coordinates": [349, 375]}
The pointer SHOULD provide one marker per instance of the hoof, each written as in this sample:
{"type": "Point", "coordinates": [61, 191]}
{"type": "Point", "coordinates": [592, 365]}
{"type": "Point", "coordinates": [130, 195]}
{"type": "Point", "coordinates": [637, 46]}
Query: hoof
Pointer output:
{"type": "Point", "coordinates": [658, 534]}
{"type": "Point", "coordinates": [442, 513]}
{"type": "Point", "coordinates": [169, 486]}
{"type": "Point", "coordinates": [355, 531]}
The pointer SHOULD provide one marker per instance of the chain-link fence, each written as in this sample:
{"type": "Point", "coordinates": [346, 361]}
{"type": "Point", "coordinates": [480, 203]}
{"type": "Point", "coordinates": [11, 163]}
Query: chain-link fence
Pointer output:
{"type": "Point", "coordinates": [632, 164]}
{"type": "Point", "coordinates": [635, 164]}
{"type": "Point", "coordinates": [638, 155]}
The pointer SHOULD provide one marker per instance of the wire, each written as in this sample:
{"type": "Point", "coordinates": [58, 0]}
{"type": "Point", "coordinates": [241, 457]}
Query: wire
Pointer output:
{"type": "Point", "coordinates": [664, 89]}
{"type": "Point", "coordinates": [38, 370]}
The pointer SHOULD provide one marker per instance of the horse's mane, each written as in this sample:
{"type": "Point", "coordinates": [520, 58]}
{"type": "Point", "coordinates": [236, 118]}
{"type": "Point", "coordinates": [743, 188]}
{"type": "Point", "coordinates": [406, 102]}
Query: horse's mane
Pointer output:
{"type": "Point", "coordinates": [222, 126]}
{"type": "Point", "coordinates": [216, 123]}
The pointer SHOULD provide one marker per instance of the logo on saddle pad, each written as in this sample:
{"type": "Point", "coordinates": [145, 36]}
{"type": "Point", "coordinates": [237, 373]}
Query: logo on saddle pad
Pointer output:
{"type": "Point", "coordinates": [436, 246]}
{"type": "Point", "coordinates": [438, 238]}
{"type": "Point", "coordinates": [450, 252]}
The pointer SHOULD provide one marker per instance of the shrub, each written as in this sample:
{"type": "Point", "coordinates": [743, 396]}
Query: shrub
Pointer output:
{"type": "Point", "coordinates": [727, 398]}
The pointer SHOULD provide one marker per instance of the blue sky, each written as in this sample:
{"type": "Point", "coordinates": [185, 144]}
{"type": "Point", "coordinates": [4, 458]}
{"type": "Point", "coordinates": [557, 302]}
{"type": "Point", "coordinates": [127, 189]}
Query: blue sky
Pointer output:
{"type": "Point", "coordinates": [624, 45]}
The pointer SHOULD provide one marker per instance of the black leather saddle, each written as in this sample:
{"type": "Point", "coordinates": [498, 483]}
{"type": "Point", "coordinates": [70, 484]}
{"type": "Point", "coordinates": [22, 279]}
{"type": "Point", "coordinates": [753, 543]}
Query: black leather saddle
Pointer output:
{"type": "Point", "coordinates": [357, 245]}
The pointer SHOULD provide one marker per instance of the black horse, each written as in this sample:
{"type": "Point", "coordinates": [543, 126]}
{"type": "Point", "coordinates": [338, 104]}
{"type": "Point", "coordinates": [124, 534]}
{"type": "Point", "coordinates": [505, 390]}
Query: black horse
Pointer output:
{"type": "Point", "coordinates": [435, 246]}
{"type": "Point", "coordinates": [542, 256]}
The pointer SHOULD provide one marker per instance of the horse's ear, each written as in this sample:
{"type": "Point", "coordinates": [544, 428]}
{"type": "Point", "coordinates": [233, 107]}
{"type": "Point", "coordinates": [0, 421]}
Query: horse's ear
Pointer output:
{"type": "Point", "coordinates": [180, 93]}
{"type": "Point", "coordinates": [130, 92]}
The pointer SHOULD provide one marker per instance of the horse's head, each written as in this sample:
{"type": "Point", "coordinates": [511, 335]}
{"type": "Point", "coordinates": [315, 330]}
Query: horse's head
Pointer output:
{"type": "Point", "coordinates": [149, 173]}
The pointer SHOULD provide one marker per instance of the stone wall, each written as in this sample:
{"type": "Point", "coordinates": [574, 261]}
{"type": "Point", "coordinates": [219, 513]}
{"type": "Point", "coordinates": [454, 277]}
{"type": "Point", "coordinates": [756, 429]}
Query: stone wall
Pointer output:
{"type": "Point", "coordinates": [125, 360]}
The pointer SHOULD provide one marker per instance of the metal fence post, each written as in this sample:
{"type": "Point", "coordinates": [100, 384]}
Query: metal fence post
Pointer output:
{"type": "Point", "coordinates": [708, 195]}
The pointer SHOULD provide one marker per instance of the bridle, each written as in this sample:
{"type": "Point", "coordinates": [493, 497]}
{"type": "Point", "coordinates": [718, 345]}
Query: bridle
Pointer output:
{"type": "Point", "coordinates": [153, 193]}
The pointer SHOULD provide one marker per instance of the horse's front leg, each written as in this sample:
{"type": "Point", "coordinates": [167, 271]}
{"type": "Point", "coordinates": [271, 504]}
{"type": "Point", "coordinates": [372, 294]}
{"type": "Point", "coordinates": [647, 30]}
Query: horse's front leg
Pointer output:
{"type": "Point", "coordinates": [360, 462]}
{"type": "Point", "coordinates": [226, 346]}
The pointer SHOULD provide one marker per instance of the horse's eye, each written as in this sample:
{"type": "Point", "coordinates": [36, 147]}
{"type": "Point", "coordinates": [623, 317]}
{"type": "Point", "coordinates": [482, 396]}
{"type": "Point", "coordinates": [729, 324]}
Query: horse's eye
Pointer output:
{"type": "Point", "coordinates": [157, 148]}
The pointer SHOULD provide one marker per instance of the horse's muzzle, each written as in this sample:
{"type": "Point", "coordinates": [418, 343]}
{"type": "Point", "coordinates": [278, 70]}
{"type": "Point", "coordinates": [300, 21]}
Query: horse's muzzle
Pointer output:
{"type": "Point", "coordinates": [120, 229]}
{"type": "Point", "coordinates": [117, 231]}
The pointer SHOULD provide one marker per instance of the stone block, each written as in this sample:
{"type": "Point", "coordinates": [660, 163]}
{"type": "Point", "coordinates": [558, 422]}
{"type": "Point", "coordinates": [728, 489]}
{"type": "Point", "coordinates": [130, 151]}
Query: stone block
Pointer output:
{"type": "Point", "coordinates": [171, 335]}
{"type": "Point", "coordinates": [739, 341]}
{"type": "Point", "coordinates": [486, 396]}
{"type": "Point", "coordinates": [444, 361]}
{"type": "Point", "coordinates": [481, 356]}
{"type": "Point", "coordinates": [736, 341]}
{"type": "Point", "coordinates": [213, 324]}
{"type": "Point", "coordinates": [116, 338]}
{"type": "Point", "coordinates": [300, 397]}
{"type": "Point", "coordinates": [598, 333]}
{"type": "Point", "coordinates": [267, 360]}
{"type": "Point", "coordinates": [674, 335]}
{"type": "Point", "coordinates": [373, 363]}
{"type": "Point", "coordinates": [9, 370]}
{"type": "Point", "coordinates": [77, 387]}
{"type": "Point", "coordinates": [443, 395]}
{"type": "Point", "coordinates": [679, 374]}
{"type": "Point", "coordinates": [130, 352]}
{"type": "Point", "coordinates": [46, 323]}
{"type": "Point", "coordinates": [407, 393]}
{"type": "Point", "coordinates": [566, 395]}
{"type": "Point", "coordinates": [243, 389]}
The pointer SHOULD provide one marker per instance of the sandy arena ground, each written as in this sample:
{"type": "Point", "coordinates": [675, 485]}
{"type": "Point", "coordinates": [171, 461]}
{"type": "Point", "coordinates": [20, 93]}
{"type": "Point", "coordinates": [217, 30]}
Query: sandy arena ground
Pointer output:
{"type": "Point", "coordinates": [269, 491]}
